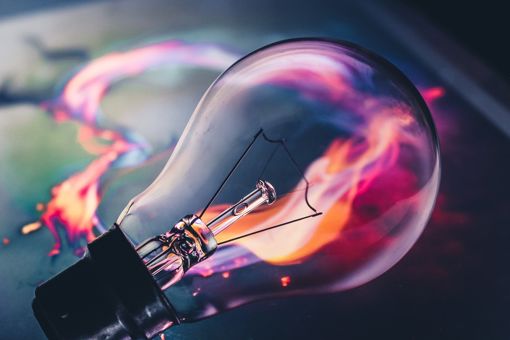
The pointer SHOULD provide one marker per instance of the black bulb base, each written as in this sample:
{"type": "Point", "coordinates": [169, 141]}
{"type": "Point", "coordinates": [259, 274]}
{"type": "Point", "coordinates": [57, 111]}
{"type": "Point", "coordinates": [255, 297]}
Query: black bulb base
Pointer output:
{"type": "Point", "coordinates": [108, 294]}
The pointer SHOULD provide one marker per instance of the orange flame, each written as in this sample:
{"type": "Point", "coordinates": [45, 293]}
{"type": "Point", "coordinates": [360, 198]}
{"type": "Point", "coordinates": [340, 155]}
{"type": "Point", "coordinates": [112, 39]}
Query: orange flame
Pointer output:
{"type": "Point", "coordinates": [74, 202]}
{"type": "Point", "coordinates": [345, 169]}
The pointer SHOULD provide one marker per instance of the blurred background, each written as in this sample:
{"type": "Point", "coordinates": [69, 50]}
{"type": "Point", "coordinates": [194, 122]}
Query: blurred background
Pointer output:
{"type": "Point", "coordinates": [454, 282]}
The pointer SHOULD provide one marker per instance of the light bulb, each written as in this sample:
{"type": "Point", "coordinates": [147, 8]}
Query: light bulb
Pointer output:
{"type": "Point", "coordinates": [336, 156]}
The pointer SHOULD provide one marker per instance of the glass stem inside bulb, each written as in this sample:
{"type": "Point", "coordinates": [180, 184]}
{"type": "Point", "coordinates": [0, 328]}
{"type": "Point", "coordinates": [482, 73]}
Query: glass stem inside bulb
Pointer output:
{"type": "Point", "coordinates": [263, 194]}
{"type": "Point", "coordinates": [190, 241]}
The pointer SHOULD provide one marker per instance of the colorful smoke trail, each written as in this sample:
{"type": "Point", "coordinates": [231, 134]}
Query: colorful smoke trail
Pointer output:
{"type": "Point", "coordinates": [74, 202]}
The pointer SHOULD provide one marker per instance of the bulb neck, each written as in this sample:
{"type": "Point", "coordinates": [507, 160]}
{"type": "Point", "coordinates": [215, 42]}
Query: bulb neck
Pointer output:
{"type": "Point", "coordinates": [170, 255]}
{"type": "Point", "coordinates": [190, 241]}
{"type": "Point", "coordinates": [108, 294]}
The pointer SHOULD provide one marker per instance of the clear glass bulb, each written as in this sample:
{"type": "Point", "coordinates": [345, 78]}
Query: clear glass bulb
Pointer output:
{"type": "Point", "coordinates": [349, 150]}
